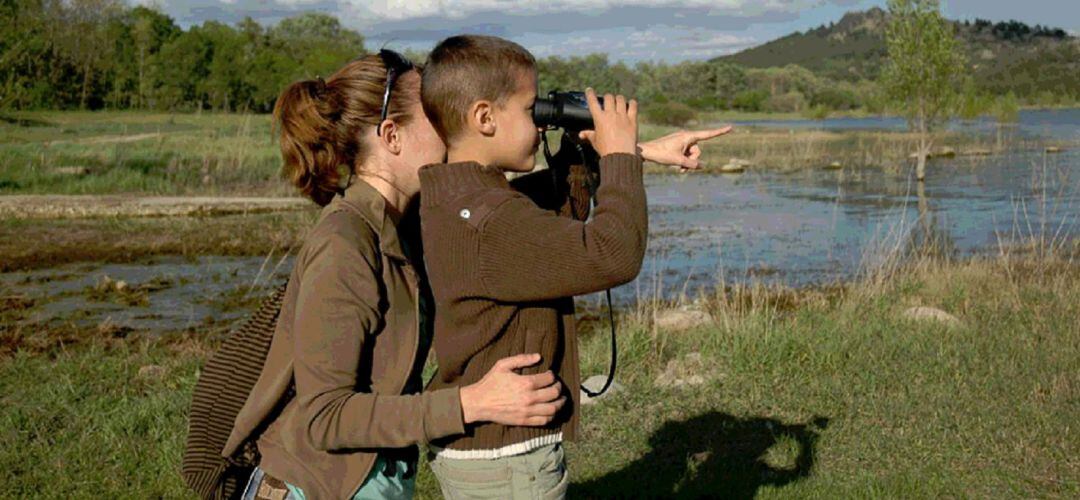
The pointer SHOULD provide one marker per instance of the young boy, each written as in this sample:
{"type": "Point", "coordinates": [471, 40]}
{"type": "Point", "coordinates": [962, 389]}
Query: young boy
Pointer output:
{"type": "Point", "coordinates": [503, 270]}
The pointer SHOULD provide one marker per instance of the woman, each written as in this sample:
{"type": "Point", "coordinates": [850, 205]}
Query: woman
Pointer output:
{"type": "Point", "coordinates": [354, 328]}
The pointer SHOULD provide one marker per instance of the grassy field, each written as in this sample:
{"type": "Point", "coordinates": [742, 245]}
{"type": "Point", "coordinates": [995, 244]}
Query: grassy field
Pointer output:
{"type": "Point", "coordinates": [232, 154]}
{"type": "Point", "coordinates": [811, 393]}
{"type": "Point", "coordinates": [808, 393]}
{"type": "Point", "coordinates": [787, 150]}
{"type": "Point", "coordinates": [130, 152]}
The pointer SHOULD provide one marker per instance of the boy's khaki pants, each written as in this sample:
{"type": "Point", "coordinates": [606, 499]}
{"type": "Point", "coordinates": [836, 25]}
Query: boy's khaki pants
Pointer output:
{"type": "Point", "coordinates": [538, 474]}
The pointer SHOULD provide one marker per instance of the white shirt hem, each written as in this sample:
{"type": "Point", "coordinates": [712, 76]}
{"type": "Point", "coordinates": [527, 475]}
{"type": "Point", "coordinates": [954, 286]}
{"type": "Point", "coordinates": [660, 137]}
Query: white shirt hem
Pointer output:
{"type": "Point", "coordinates": [497, 453]}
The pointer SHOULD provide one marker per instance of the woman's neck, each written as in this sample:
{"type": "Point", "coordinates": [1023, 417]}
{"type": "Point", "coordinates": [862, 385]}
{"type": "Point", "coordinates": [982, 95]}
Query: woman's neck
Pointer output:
{"type": "Point", "coordinates": [398, 197]}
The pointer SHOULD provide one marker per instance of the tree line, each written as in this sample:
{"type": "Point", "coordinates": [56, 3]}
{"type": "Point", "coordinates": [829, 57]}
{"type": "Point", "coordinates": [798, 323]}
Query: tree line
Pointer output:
{"type": "Point", "coordinates": [103, 54]}
{"type": "Point", "coordinates": [1016, 30]}
{"type": "Point", "coordinates": [93, 54]}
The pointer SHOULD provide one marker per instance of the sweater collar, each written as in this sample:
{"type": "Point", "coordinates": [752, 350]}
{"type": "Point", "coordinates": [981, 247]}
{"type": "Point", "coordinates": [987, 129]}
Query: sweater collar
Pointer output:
{"type": "Point", "coordinates": [442, 182]}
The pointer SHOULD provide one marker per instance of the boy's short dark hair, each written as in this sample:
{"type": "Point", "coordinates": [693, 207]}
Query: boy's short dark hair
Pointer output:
{"type": "Point", "coordinates": [464, 69]}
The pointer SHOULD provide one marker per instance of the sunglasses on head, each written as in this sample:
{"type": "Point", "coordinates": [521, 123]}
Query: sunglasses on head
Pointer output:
{"type": "Point", "coordinates": [396, 65]}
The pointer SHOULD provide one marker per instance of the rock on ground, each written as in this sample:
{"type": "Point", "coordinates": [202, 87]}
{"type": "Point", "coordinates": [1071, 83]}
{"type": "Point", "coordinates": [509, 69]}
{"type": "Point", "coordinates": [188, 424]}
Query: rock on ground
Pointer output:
{"type": "Point", "coordinates": [151, 372]}
{"type": "Point", "coordinates": [690, 370]}
{"type": "Point", "coordinates": [595, 383]}
{"type": "Point", "coordinates": [681, 318]}
{"type": "Point", "coordinates": [923, 313]}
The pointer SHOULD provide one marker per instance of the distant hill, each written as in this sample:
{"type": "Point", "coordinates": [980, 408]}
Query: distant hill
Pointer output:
{"type": "Point", "coordinates": [1004, 56]}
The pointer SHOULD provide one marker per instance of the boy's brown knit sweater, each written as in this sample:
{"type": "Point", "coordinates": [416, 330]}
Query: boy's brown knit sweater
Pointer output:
{"type": "Point", "coordinates": [504, 272]}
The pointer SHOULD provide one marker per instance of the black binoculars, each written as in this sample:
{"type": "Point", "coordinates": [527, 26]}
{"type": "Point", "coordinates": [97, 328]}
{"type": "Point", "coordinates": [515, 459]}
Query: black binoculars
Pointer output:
{"type": "Point", "coordinates": [566, 110]}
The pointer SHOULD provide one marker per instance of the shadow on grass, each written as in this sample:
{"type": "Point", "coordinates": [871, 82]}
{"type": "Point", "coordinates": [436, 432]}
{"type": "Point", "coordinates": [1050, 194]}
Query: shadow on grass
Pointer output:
{"type": "Point", "coordinates": [714, 455]}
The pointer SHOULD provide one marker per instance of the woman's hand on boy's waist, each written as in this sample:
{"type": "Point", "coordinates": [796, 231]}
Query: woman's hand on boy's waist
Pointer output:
{"type": "Point", "coordinates": [505, 397]}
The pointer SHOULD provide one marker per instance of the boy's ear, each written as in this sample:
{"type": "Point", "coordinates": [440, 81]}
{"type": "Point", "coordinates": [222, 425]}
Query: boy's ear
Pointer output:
{"type": "Point", "coordinates": [482, 117]}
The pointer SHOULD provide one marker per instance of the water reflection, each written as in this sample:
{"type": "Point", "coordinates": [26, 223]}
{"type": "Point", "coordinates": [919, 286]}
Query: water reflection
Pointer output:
{"type": "Point", "coordinates": [816, 226]}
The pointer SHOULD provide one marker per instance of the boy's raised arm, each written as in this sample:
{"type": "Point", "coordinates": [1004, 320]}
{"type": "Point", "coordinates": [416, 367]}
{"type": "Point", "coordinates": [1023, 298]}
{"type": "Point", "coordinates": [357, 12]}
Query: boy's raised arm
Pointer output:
{"type": "Point", "coordinates": [562, 187]}
{"type": "Point", "coordinates": [527, 253]}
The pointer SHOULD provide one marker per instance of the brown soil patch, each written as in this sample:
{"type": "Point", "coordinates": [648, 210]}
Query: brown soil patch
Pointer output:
{"type": "Point", "coordinates": [81, 206]}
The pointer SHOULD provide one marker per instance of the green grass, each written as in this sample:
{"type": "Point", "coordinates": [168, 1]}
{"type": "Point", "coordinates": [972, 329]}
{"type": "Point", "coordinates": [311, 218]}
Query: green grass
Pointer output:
{"type": "Point", "coordinates": [807, 394]}
{"type": "Point", "coordinates": [736, 115]}
{"type": "Point", "coordinates": [234, 154]}
{"type": "Point", "coordinates": [82, 423]}
{"type": "Point", "coordinates": [134, 152]}
{"type": "Point", "coordinates": [879, 405]}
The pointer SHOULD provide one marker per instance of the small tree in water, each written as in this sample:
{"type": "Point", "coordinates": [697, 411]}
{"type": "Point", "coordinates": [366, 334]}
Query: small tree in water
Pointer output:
{"type": "Point", "coordinates": [1006, 111]}
{"type": "Point", "coordinates": [924, 70]}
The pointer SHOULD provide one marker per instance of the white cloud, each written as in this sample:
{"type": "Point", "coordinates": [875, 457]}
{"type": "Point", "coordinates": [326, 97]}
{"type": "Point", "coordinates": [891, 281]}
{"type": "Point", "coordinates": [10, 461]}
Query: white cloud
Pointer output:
{"type": "Point", "coordinates": [629, 30]}
{"type": "Point", "coordinates": [666, 43]}
{"type": "Point", "coordinates": [647, 36]}
{"type": "Point", "coordinates": [706, 40]}
{"type": "Point", "coordinates": [705, 44]}
{"type": "Point", "coordinates": [397, 10]}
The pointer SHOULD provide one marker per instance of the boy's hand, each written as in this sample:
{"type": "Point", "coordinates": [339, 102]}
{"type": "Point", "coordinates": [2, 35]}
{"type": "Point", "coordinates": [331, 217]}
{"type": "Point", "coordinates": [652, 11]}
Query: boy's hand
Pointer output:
{"type": "Point", "coordinates": [680, 149]}
{"type": "Point", "coordinates": [615, 122]}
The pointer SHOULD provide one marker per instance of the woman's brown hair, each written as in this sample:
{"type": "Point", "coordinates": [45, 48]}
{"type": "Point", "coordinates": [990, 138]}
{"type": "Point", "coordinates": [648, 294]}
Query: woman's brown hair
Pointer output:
{"type": "Point", "coordinates": [322, 123]}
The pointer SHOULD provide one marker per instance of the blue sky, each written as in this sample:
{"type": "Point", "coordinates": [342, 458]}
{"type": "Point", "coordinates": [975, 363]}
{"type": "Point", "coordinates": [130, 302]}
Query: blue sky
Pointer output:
{"type": "Point", "coordinates": [637, 30]}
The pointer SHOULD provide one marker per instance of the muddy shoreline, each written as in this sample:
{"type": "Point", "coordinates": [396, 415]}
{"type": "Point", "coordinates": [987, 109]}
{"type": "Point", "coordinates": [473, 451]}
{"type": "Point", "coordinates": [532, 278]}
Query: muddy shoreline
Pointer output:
{"type": "Point", "coordinates": [86, 206]}
{"type": "Point", "coordinates": [27, 244]}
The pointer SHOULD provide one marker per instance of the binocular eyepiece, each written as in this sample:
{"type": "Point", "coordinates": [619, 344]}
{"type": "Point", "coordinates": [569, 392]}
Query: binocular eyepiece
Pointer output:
{"type": "Point", "coordinates": [566, 110]}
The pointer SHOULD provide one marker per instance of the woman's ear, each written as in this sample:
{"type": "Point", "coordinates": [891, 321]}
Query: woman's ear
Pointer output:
{"type": "Point", "coordinates": [390, 136]}
{"type": "Point", "coordinates": [481, 117]}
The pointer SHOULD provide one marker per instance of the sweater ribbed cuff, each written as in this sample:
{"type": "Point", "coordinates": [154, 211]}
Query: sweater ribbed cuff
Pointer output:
{"type": "Point", "coordinates": [443, 417]}
{"type": "Point", "coordinates": [620, 168]}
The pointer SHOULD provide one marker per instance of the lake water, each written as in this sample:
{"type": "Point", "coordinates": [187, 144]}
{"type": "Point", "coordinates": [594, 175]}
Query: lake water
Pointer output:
{"type": "Point", "coordinates": [1055, 124]}
{"type": "Point", "coordinates": [818, 226]}
{"type": "Point", "coordinates": [801, 228]}
{"type": "Point", "coordinates": [186, 293]}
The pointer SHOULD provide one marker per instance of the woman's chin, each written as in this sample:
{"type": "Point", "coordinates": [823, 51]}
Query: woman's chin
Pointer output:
{"type": "Point", "coordinates": [525, 166]}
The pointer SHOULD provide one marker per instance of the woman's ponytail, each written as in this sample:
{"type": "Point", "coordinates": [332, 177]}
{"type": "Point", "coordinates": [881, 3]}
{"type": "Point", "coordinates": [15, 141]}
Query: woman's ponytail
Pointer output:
{"type": "Point", "coordinates": [311, 161]}
{"type": "Point", "coordinates": [321, 124]}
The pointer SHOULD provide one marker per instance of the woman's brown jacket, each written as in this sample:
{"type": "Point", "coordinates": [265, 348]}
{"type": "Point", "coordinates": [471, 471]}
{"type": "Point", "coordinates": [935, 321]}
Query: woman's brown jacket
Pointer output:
{"type": "Point", "coordinates": [348, 333]}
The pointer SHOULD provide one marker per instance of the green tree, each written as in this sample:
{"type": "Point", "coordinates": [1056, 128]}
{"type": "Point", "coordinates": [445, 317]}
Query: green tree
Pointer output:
{"type": "Point", "coordinates": [178, 69]}
{"type": "Point", "coordinates": [750, 100]}
{"type": "Point", "coordinates": [317, 43]}
{"type": "Point", "coordinates": [1006, 111]}
{"type": "Point", "coordinates": [150, 30]}
{"type": "Point", "coordinates": [624, 79]}
{"type": "Point", "coordinates": [690, 83]}
{"type": "Point", "coordinates": [261, 68]}
{"type": "Point", "coordinates": [27, 58]}
{"type": "Point", "coordinates": [924, 70]}
{"type": "Point", "coordinates": [971, 103]}
{"type": "Point", "coordinates": [84, 39]}
{"type": "Point", "coordinates": [729, 80]}
{"type": "Point", "coordinates": [224, 85]}
{"type": "Point", "coordinates": [578, 72]}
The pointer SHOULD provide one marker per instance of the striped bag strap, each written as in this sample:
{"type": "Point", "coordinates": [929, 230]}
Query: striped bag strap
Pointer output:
{"type": "Point", "coordinates": [220, 392]}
